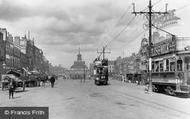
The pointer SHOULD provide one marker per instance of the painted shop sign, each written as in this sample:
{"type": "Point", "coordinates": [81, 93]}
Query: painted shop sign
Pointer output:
{"type": "Point", "coordinates": [163, 47]}
{"type": "Point", "coordinates": [163, 20]}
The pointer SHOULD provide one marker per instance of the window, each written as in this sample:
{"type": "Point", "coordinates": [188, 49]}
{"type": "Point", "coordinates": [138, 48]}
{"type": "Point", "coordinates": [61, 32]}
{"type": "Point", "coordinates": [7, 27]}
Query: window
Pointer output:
{"type": "Point", "coordinates": [167, 65]}
{"type": "Point", "coordinates": [187, 62]}
{"type": "Point", "coordinates": [161, 66]}
{"type": "Point", "coordinates": [153, 70]}
{"type": "Point", "coordinates": [172, 66]}
{"type": "Point", "coordinates": [179, 65]}
{"type": "Point", "coordinates": [188, 66]}
{"type": "Point", "coordinates": [157, 66]}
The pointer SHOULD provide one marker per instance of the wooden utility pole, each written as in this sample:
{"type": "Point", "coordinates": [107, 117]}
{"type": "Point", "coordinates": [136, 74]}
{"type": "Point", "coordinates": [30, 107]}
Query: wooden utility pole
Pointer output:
{"type": "Point", "coordinates": [103, 52]}
{"type": "Point", "coordinates": [150, 13]}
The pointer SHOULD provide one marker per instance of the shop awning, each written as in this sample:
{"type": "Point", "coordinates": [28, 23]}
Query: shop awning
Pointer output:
{"type": "Point", "coordinates": [9, 77]}
{"type": "Point", "coordinates": [34, 72]}
{"type": "Point", "coordinates": [14, 73]}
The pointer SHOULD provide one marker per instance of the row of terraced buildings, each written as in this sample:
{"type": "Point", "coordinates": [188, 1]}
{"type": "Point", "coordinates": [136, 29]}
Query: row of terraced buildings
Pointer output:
{"type": "Point", "coordinates": [20, 52]}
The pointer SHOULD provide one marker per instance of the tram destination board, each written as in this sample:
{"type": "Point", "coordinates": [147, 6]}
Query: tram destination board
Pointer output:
{"type": "Point", "coordinates": [164, 47]}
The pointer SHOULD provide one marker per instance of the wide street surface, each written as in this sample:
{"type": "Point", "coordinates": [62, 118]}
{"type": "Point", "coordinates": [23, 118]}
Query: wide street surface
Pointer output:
{"type": "Point", "coordinates": [71, 99]}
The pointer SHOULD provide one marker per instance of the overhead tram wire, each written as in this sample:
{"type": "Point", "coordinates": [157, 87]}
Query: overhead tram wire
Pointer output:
{"type": "Point", "coordinates": [130, 22]}
{"type": "Point", "coordinates": [182, 7]}
{"type": "Point", "coordinates": [156, 3]}
{"type": "Point", "coordinates": [118, 34]}
{"type": "Point", "coordinates": [162, 30]}
{"type": "Point", "coordinates": [125, 26]}
{"type": "Point", "coordinates": [178, 9]}
{"type": "Point", "coordinates": [121, 31]}
{"type": "Point", "coordinates": [137, 36]}
{"type": "Point", "coordinates": [152, 5]}
{"type": "Point", "coordinates": [154, 26]}
{"type": "Point", "coordinates": [140, 34]}
{"type": "Point", "coordinates": [122, 16]}
{"type": "Point", "coordinates": [145, 15]}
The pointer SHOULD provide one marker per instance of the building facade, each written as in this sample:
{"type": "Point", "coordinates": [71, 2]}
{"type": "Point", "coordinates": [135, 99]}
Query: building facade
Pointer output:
{"type": "Point", "coordinates": [111, 65]}
{"type": "Point", "coordinates": [79, 70]}
{"type": "Point", "coordinates": [19, 52]}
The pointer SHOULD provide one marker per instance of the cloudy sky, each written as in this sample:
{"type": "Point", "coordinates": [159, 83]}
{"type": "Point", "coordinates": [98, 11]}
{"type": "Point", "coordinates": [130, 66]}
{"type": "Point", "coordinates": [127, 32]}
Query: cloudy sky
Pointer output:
{"type": "Point", "coordinates": [60, 27]}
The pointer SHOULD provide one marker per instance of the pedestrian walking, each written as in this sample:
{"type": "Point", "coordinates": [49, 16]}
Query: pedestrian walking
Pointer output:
{"type": "Point", "coordinates": [146, 88]}
{"type": "Point", "coordinates": [123, 78]}
{"type": "Point", "coordinates": [84, 78]}
{"type": "Point", "coordinates": [11, 89]}
{"type": "Point", "coordinates": [52, 81]}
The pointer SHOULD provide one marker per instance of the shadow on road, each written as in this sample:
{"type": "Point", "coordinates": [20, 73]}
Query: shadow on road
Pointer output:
{"type": "Point", "coordinates": [20, 91]}
{"type": "Point", "coordinates": [178, 95]}
{"type": "Point", "coordinates": [17, 97]}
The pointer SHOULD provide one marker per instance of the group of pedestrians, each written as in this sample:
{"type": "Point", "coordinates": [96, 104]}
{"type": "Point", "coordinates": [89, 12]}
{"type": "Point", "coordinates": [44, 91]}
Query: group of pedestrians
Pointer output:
{"type": "Point", "coordinates": [46, 79]}
{"type": "Point", "coordinates": [12, 85]}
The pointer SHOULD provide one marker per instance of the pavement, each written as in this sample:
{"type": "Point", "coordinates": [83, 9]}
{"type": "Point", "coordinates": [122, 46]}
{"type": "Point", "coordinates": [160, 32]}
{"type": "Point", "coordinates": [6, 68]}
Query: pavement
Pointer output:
{"type": "Point", "coordinates": [71, 99]}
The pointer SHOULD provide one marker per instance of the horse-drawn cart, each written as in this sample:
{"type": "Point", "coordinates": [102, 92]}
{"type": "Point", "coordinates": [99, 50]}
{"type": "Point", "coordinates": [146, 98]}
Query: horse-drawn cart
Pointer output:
{"type": "Point", "coordinates": [14, 77]}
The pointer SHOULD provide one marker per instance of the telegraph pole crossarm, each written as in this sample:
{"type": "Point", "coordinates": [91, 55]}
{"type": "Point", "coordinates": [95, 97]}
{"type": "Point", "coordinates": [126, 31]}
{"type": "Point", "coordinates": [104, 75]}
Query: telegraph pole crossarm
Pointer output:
{"type": "Point", "coordinates": [150, 13]}
{"type": "Point", "coordinates": [103, 52]}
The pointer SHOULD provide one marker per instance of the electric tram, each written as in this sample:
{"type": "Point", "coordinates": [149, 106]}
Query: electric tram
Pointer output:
{"type": "Point", "coordinates": [101, 72]}
{"type": "Point", "coordinates": [171, 66]}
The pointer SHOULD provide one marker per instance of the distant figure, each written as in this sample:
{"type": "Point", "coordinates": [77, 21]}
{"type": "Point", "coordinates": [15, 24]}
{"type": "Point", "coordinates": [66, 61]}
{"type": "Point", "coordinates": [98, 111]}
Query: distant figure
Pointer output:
{"type": "Point", "coordinates": [146, 88]}
{"type": "Point", "coordinates": [123, 78]}
{"type": "Point", "coordinates": [11, 89]}
{"type": "Point", "coordinates": [136, 82]}
{"type": "Point", "coordinates": [43, 81]}
{"type": "Point", "coordinates": [52, 81]}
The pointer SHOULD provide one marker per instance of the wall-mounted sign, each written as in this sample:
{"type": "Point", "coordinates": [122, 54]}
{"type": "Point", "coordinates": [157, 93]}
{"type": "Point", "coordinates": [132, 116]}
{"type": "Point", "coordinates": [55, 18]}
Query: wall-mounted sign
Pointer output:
{"type": "Point", "coordinates": [163, 47]}
{"type": "Point", "coordinates": [163, 20]}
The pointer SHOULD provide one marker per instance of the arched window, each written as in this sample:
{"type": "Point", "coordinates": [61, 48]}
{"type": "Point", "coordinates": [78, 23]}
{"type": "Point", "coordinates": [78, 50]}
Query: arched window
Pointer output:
{"type": "Point", "coordinates": [157, 68]}
{"type": "Point", "coordinates": [161, 66]}
{"type": "Point", "coordinates": [179, 64]}
{"type": "Point", "coordinates": [187, 62]}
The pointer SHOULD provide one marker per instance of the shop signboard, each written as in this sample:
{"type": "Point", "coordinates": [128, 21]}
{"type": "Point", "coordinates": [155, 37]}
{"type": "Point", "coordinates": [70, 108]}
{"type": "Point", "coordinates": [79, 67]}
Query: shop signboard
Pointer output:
{"type": "Point", "coordinates": [163, 20]}
{"type": "Point", "coordinates": [164, 47]}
